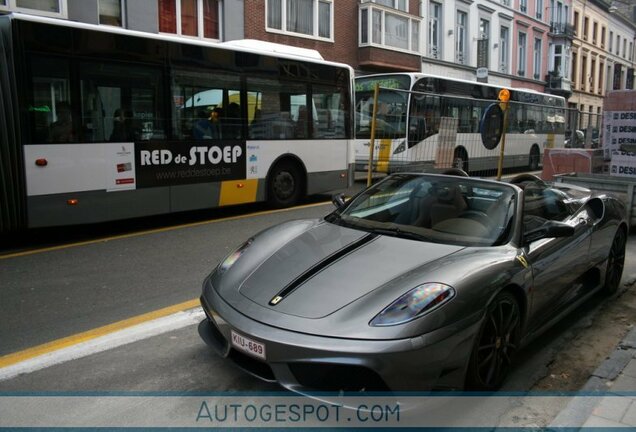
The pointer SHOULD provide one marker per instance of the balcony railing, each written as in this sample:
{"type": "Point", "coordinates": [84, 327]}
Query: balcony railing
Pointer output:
{"type": "Point", "coordinates": [557, 82]}
{"type": "Point", "coordinates": [561, 28]}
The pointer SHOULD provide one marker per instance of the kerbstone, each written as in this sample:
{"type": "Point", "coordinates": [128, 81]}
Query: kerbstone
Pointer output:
{"type": "Point", "coordinates": [630, 416]}
{"type": "Point", "coordinates": [600, 422]}
{"type": "Point", "coordinates": [613, 366]}
{"type": "Point", "coordinates": [613, 408]}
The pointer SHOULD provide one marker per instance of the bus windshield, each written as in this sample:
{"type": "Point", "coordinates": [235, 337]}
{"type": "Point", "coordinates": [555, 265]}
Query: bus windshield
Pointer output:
{"type": "Point", "coordinates": [391, 116]}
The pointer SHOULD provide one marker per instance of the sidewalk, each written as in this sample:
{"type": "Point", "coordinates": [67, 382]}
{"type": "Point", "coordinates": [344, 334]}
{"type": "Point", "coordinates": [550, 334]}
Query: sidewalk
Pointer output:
{"type": "Point", "coordinates": [608, 399]}
{"type": "Point", "coordinates": [615, 380]}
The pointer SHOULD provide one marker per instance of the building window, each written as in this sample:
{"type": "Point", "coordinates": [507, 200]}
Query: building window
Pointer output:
{"type": "Point", "coordinates": [110, 12]}
{"type": "Point", "coordinates": [574, 67]}
{"type": "Point", "coordinates": [618, 44]}
{"type": "Point", "coordinates": [504, 47]}
{"type": "Point", "coordinates": [631, 51]}
{"type": "Point", "coordinates": [560, 60]}
{"type": "Point", "coordinates": [56, 8]}
{"type": "Point", "coordinates": [483, 44]}
{"type": "Point", "coordinates": [505, 2]}
{"type": "Point", "coordinates": [395, 4]}
{"type": "Point", "coordinates": [435, 30]}
{"type": "Point", "coordinates": [393, 30]}
{"type": "Point", "coordinates": [603, 30]}
{"type": "Point", "coordinates": [611, 41]}
{"type": "Point", "coordinates": [586, 23]}
{"type": "Point", "coordinates": [624, 48]}
{"type": "Point", "coordinates": [195, 18]}
{"type": "Point", "coordinates": [583, 73]}
{"type": "Point", "coordinates": [557, 13]}
{"type": "Point", "coordinates": [601, 71]}
{"type": "Point", "coordinates": [539, 9]}
{"type": "Point", "coordinates": [523, 5]}
{"type": "Point", "coordinates": [521, 70]}
{"type": "Point", "coordinates": [312, 18]}
{"type": "Point", "coordinates": [537, 58]}
{"type": "Point", "coordinates": [576, 23]}
{"type": "Point", "coordinates": [484, 28]}
{"type": "Point", "coordinates": [461, 37]}
{"type": "Point", "coordinates": [594, 31]}
{"type": "Point", "coordinates": [593, 76]}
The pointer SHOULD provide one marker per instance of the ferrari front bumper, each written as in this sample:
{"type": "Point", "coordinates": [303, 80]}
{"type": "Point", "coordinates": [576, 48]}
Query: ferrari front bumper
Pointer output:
{"type": "Point", "coordinates": [308, 363]}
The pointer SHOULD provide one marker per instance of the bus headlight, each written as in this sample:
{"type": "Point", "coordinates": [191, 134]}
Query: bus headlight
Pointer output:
{"type": "Point", "coordinates": [401, 148]}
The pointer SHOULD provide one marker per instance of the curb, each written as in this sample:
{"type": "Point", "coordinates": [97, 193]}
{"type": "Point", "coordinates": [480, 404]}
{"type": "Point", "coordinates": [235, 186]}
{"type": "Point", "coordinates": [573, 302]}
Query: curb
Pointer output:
{"type": "Point", "coordinates": [579, 410]}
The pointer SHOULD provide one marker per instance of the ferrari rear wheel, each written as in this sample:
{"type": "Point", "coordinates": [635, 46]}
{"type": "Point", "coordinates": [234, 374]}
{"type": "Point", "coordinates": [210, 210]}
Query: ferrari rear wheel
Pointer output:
{"type": "Point", "coordinates": [615, 263]}
{"type": "Point", "coordinates": [495, 345]}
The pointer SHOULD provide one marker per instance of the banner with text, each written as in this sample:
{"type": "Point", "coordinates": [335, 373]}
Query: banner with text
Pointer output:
{"type": "Point", "coordinates": [177, 163]}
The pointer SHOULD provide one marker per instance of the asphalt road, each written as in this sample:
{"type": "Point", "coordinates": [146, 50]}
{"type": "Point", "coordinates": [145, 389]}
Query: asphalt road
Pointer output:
{"type": "Point", "coordinates": [57, 293]}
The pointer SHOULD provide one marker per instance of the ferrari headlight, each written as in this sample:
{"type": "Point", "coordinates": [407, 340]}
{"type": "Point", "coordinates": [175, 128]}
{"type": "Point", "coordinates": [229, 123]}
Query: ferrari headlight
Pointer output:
{"type": "Point", "coordinates": [232, 258]}
{"type": "Point", "coordinates": [415, 303]}
{"type": "Point", "coordinates": [401, 148]}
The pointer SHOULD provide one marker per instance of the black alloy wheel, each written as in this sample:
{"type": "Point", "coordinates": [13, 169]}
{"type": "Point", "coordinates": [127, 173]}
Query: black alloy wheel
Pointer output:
{"type": "Point", "coordinates": [284, 185]}
{"type": "Point", "coordinates": [495, 345]}
{"type": "Point", "coordinates": [615, 263]}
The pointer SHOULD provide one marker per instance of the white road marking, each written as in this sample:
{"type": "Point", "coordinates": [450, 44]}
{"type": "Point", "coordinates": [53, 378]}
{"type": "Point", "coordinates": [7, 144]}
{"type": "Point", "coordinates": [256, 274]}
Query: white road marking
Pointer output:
{"type": "Point", "coordinates": [103, 343]}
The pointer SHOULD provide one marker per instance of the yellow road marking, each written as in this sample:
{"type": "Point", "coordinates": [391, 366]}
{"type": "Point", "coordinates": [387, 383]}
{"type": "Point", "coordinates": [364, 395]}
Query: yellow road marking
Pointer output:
{"type": "Point", "coordinates": [68, 341]}
{"type": "Point", "coordinates": [158, 230]}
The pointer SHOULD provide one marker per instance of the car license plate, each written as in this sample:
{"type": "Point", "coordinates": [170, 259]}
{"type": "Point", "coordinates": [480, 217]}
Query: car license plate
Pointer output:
{"type": "Point", "coordinates": [248, 345]}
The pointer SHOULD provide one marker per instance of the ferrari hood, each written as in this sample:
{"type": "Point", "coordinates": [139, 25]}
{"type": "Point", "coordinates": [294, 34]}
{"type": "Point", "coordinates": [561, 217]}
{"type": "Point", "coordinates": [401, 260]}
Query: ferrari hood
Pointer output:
{"type": "Point", "coordinates": [326, 267]}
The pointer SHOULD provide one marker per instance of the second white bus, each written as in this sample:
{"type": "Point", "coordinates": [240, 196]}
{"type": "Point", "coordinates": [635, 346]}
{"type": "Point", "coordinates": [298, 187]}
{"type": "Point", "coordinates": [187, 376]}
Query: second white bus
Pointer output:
{"type": "Point", "coordinates": [417, 112]}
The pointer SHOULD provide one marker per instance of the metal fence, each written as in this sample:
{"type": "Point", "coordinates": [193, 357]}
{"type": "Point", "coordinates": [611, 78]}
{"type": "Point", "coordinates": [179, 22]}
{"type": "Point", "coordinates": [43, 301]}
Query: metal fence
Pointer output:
{"type": "Point", "coordinates": [583, 129]}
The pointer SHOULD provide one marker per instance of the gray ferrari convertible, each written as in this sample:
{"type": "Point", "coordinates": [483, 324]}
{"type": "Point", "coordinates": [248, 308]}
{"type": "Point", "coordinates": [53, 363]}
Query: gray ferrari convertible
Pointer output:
{"type": "Point", "coordinates": [421, 281]}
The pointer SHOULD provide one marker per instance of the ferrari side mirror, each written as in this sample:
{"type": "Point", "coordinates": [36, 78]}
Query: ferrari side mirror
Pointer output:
{"type": "Point", "coordinates": [338, 200]}
{"type": "Point", "coordinates": [549, 229]}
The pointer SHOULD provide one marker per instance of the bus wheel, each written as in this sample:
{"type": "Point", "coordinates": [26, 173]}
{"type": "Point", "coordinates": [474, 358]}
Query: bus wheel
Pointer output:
{"type": "Point", "coordinates": [534, 159]}
{"type": "Point", "coordinates": [460, 159]}
{"type": "Point", "coordinates": [284, 184]}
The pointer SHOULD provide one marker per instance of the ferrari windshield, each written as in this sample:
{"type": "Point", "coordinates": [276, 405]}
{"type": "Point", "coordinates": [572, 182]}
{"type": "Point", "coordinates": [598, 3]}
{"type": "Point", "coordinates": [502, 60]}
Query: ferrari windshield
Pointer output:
{"type": "Point", "coordinates": [440, 209]}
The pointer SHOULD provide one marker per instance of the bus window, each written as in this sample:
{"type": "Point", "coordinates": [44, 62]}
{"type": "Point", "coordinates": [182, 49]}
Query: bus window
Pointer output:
{"type": "Point", "coordinates": [50, 93]}
{"type": "Point", "coordinates": [207, 105]}
{"type": "Point", "coordinates": [120, 103]}
{"type": "Point", "coordinates": [417, 122]}
{"type": "Point", "coordinates": [331, 109]}
{"type": "Point", "coordinates": [280, 105]}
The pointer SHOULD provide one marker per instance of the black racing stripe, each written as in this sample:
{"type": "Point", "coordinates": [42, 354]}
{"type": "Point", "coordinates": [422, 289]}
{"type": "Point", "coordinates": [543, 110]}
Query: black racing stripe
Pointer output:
{"type": "Point", "coordinates": [321, 265]}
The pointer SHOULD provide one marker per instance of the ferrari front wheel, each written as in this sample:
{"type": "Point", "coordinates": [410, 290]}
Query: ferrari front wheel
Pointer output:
{"type": "Point", "coordinates": [615, 263]}
{"type": "Point", "coordinates": [495, 345]}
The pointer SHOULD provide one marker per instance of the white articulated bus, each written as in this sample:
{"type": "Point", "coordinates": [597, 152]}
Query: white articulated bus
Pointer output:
{"type": "Point", "coordinates": [418, 114]}
{"type": "Point", "coordinates": [100, 123]}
